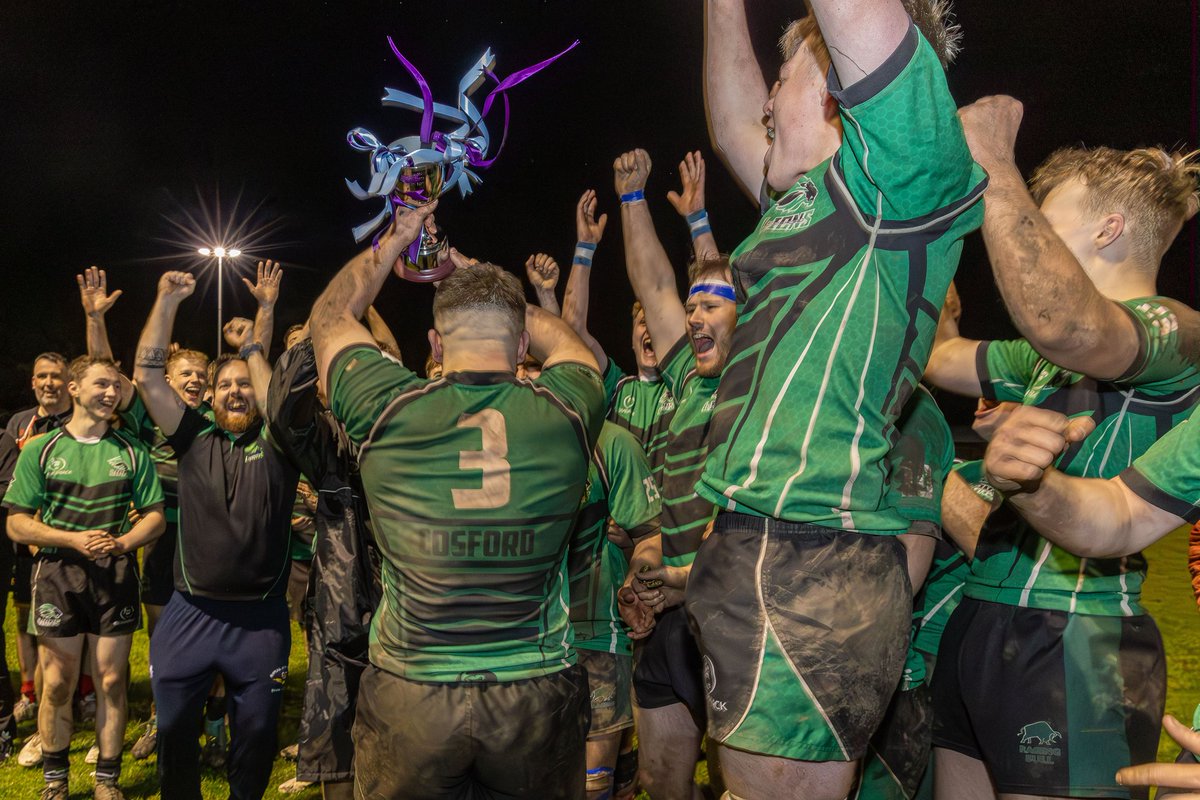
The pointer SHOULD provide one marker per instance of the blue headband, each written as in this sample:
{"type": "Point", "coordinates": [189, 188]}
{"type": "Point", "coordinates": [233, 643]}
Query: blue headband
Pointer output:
{"type": "Point", "coordinates": [718, 288]}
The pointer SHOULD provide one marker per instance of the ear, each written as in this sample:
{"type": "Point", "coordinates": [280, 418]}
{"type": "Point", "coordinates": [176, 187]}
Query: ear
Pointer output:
{"type": "Point", "coordinates": [829, 105]}
{"type": "Point", "coordinates": [522, 346]}
{"type": "Point", "coordinates": [435, 344]}
{"type": "Point", "coordinates": [1111, 228]}
{"type": "Point", "coordinates": [73, 389]}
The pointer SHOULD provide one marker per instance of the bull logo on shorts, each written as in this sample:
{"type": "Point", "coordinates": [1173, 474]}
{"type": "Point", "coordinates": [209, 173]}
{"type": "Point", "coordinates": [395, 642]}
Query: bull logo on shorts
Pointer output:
{"type": "Point", "coordinates": [710, 676]}
{"type": "Point", "coordinates": [1039, 733]}
{"type": "Point", "coordinates": [49, 616]}
{"type": "Point", "coordinates": [279, 677]}
{"type": "Point", "coordinates": [1038, 740]}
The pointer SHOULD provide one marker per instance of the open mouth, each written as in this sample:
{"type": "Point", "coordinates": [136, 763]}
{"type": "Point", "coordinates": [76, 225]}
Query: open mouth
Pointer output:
{"type": "Point", "coordinates": [236, 405]}
{"type": "Point", "coordinates": [702, 343]}
{"type": "Point", "coordinates": [771, 133]}
{"type": "Point", "coordinates": [192, 394]}
{"type": "Point", "coordinates": [647, 347]}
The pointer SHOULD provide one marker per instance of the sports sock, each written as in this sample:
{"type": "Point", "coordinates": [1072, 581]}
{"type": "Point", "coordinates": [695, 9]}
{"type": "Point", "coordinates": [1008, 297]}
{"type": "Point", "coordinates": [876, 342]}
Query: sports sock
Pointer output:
{"type": "Point", "coordinates": [108, 770]}
{"type": "Point", "coordinates": [86, 686]}
{"type": "Point", "coordinates": [56, 765]}
{"type": "Point", "coordinates": [27, 689]}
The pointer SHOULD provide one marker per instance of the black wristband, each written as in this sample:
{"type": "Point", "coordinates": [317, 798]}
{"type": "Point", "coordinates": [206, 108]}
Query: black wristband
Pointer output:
{"type": "Point", "coordinates": [249, 350]}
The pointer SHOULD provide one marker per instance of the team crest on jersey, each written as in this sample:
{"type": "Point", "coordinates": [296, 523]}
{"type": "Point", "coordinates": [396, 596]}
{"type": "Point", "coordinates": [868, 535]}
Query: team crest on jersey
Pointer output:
{"type": "Point", "coordinates": [57, 466]}
{"type": "Point", "coordinates": [1161, 318]}
{"type": "Point", "coordinates": [49, 616]}
{"type": "Point", "coordinates": [666, 403]}
{"type": "Point", "coordinates": [794, 210]}
{"type": "Point", "coordinates": [1037, 742]}
{"type": "Point", "coordinates": [710, 405]}
{"type": "Point", "coordinates": [254, 452]}
{"type": "Point", "coordinates": [117, 468]}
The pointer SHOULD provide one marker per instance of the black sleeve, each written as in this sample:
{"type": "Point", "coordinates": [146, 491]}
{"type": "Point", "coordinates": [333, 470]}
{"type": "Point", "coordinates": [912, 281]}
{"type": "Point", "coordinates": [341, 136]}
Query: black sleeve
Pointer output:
{"type": "Point", "coordinates": [191, 425]}
{"type": "Point", "coordinates": [294, 412]}
{"type": "Point", "coordinates": [8, 461]}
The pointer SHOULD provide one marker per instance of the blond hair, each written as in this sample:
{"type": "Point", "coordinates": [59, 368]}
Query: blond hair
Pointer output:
{"type": "Point", "coordinates": [933, 19]}
{"type": "Point", "coordinates": [1155, 190]}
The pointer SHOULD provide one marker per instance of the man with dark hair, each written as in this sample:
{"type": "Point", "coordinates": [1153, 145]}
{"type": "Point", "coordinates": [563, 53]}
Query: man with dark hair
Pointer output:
{"type": "Point", "coordinates": [52, 410]}
{"type": "Point", "coordinates": [227, 616]}
{"type": "Point", "coordinates": [69, 496]}
{"type": "Point", "coordinates": [473, 481]}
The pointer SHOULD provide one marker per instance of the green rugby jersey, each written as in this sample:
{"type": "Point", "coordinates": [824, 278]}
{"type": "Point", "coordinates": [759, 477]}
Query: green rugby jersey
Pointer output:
{"type": "Point", "coordinates": [917, 468]}
{"type": "Point", "coordinates": [643, 408]}
{"type": "Point", "coordinates": [843, 280]}
{"type": "Point", "coordinates": [619, 486]}
{"type": "Point", "coordinates": [1168, 474]}
{"type": "Point", "coordinates": [83, 486]}
{"type": "Point", "coordinates": [686, 514]}
{"type": "Point", "coordinates": [473, 482]}
{"type": "Point", "coordinates": [1013, 564]}
{"type": "Point", "coordinates": [136, 420]}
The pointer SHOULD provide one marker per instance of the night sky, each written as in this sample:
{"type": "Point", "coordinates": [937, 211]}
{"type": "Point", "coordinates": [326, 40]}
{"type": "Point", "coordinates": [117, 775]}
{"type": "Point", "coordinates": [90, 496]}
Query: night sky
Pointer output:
{"type": "Point", "coordinates": [121, 121]}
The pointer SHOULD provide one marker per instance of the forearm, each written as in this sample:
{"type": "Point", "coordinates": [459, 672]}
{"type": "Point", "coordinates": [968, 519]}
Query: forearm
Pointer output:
{"type": "Point", "coordinates": [1051, 300]}
{"type": "Point", "coordinates": [380, 330]}
{"type": "Point", "coordinates": [97, 337]}
{"type": "Point", "coordinates": [964, 513]}
{"type": "Point", "coordinates": [354, 288]}
{"type": "Point", "coordinates": [704, 247]}
{"type": "Point", "coordinates": [860, 34]}
{"type": "Point", "coordinates": [1086, 516]}
{"type": "Point", "coordinates": [264, 328]}
{"type": "Point", "coordinates": [647, 554]}
{"type": "Point", "coordinates": [552, 341]}
{"type": "Point", "coordinates": [547, 300]}
{"type": "Point", "coordinates": [734, 92]}
{"type": "Point", "coordinates": [152, 344]}
{"type": "Point", "coordinates": [651, 275]}
{"type": "Point", "coordinates": [260, 379]}
{"type": "Point", "coordinates": [147, 529]}
{"type": "Point", "coordinates": [24, 529]}
{"type": "Point", "coordinates": [578, 295]}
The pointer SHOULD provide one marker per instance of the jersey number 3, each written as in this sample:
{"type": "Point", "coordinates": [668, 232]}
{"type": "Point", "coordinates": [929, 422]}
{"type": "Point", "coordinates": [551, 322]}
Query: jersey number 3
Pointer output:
{"type": "Point", "coordinates": [492, 459]}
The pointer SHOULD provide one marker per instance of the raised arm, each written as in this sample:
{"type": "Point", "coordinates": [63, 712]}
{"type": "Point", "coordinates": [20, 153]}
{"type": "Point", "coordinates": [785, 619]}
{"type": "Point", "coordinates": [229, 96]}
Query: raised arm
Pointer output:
{"type": "Point", "coordinates": [860, 34]}
{"type": "Point", "coordinates": [266, 292]}
{"type": "Point", "coordinates": [734, 93]}
{"type": "Point", "coordinates": [553, 342]}
{"type": "Point", "coordinates": [334, 323]}
{"type": "Point", "coordinates": [382, 333]}
{"type": "Point", "coordinates": [649, 268]}
{"type": "Point", "coordinates": [589, 230]}
{"type": "Point", "coordinates": [1051, 300]}
{"type": "Point", "coordinates": [689, 202]}
{"type": "Point", "coordinates": [1090, 517]}
{"type": "Point", "coordinates": [96, 301]}
{"type": "Point", "coordinates": [239, 334]}
{"type": "Point", "coordinates": [165, 407]}
{"type": "Point", "coordinates": [542, 271]}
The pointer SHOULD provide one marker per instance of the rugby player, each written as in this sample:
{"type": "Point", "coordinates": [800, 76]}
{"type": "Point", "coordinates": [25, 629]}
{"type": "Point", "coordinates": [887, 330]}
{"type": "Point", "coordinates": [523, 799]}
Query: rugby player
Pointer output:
{"type": "Point", "coordinates": [69, 496]}
{"type": "Point", "coordinates": [869, 188]}
{"type": "Point", "coordinates": [667, 676]}
{"type": "Point", "coordinates": [473, 482]}
{"type": "Point", "coordinates": [1079, 277]}
{"type": "Point", "coordinates": [227, 615]}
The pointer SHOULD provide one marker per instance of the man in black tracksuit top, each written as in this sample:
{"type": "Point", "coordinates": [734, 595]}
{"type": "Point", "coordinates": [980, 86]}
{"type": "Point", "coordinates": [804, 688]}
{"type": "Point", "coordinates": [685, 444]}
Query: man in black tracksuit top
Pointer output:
{"type": "Point", "coordinates": [228, 614]}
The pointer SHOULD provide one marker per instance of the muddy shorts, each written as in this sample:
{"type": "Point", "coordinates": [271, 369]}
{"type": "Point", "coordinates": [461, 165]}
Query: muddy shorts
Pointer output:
{"type": "Point", "coordinates": [609, 677]}
{"type": "Point", "coordinates": [898, 754]}
{"type": "Point", "coordinates": [666, 666]}
{"type": "Point", "coordinates": [1053, 703]}
{"type": "Point", "coordinates": [475, 741]}
{"type": "Point", "coordinates": [803, 632]}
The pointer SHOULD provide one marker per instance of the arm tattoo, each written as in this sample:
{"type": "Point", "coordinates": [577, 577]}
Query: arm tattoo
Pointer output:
{"type": "Point", "coordinates": [152, 357]}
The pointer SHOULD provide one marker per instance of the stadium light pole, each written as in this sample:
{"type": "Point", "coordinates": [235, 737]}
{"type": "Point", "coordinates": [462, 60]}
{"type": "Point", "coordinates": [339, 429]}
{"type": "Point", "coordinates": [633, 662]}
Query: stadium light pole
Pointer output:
{"type": "Point", "coordinates": [220, 254]}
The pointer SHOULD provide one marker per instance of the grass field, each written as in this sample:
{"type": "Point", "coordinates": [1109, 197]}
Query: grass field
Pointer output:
{"type": "Point", "coordinates": [1168, 596]}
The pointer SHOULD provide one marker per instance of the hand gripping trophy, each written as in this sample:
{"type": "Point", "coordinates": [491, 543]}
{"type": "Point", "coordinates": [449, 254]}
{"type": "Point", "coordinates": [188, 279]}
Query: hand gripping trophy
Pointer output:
{"type": "Point", "coordinates": [416, 170]}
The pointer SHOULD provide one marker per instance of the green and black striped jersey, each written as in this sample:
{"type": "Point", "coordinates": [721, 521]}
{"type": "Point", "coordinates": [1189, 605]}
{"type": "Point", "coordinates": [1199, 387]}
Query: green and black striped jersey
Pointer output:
{"type": "Point", "coordinates": [642, 407]}
{"type": "Point", "coordinates": [1013, 564]}
{"type": "Point", "coordinates": [473, 481]}
{"type": "Point", "coordinates": [83, 486]}
{"type": "Point", "coordinates": [619, 486]}
{"type": "Point", "coordinates": [686, 515]}
{"type": "Point", "coordinates": [843, 280]}
{"type": "Point", "coordinates": [1168, 474]}
{"type": "Point", "coordinates": [917, 467]}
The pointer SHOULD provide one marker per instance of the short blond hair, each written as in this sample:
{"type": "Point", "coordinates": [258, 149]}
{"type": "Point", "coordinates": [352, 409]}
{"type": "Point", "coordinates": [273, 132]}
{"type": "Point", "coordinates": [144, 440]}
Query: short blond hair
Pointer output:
{"type": "Point", "coordinates": [1154, 189]}
{"type": "Point", "coordinates": [932, 17]}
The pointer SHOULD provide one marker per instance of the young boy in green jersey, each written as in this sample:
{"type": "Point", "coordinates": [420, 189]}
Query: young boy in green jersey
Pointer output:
{"type": "Point", "coordinates": [473, 482]}
{"type": "Point", "coordinates": [1078, 273]}
{"type": "Point", "coordinates": [867, 193]}
{"type": "Point", "coordinates": [82, 479]}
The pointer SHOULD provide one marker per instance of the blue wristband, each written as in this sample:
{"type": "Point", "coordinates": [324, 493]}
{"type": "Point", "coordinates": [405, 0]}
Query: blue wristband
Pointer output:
{"type": "Point", "coordinates": [583, 253]}
{"type": "Point", "coordinates": [698, 223]}
{"type": "Point", "coordinates": [636, 196]}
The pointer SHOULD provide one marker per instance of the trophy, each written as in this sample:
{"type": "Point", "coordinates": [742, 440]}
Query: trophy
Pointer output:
{"type": "Point", "coordinates": [415, 170]}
